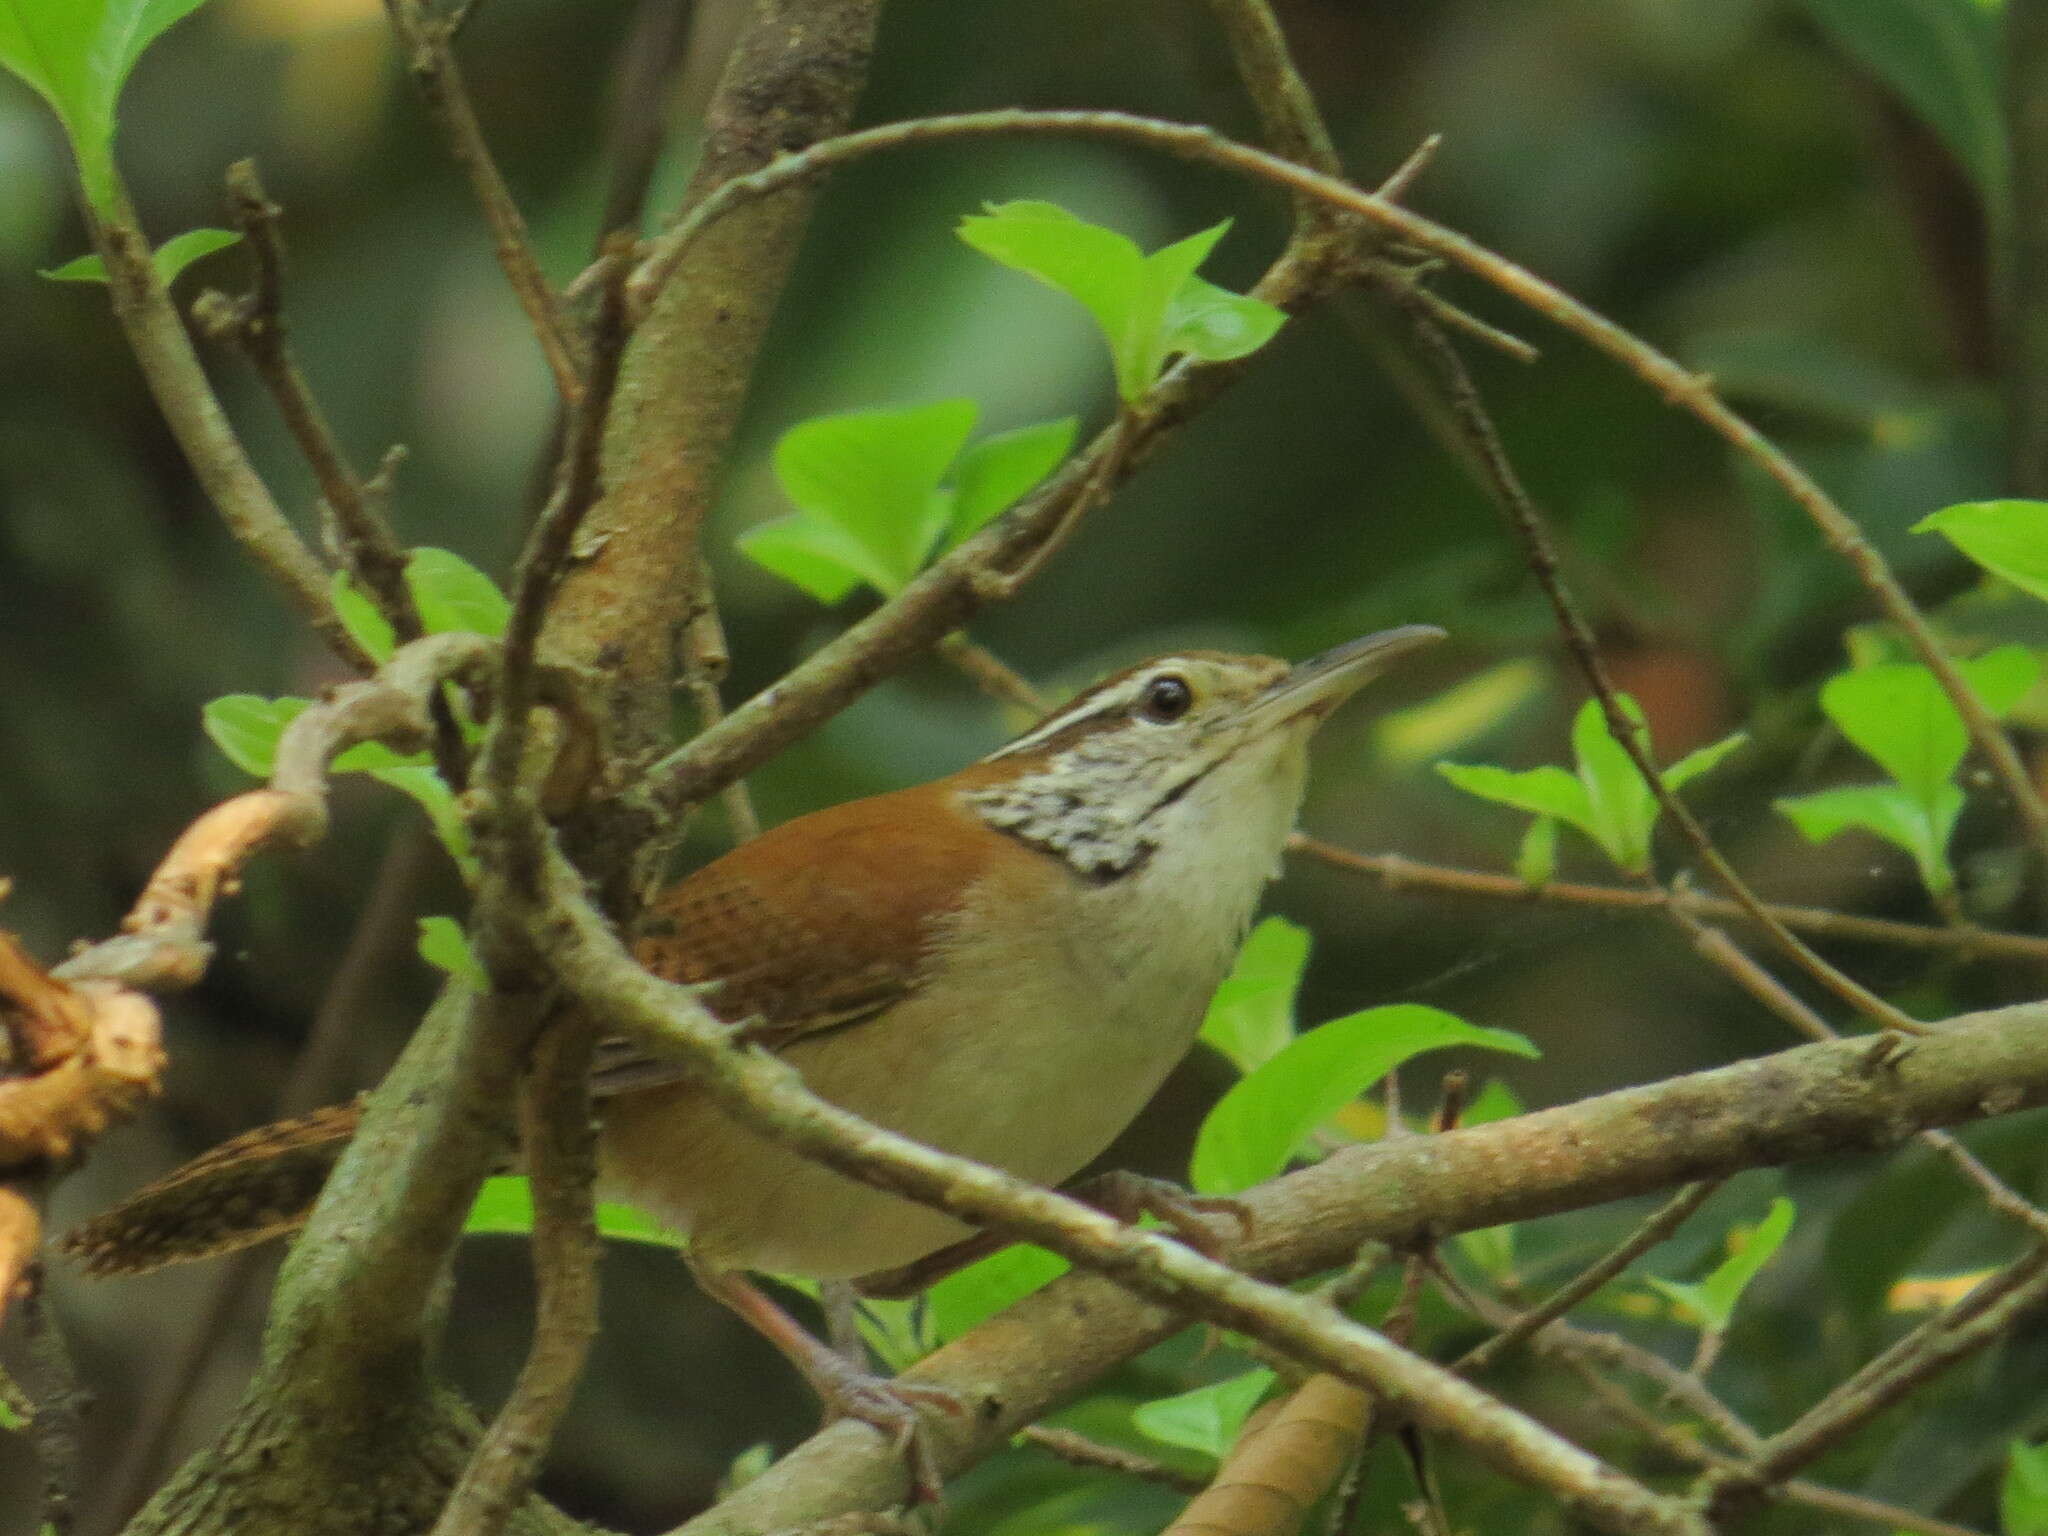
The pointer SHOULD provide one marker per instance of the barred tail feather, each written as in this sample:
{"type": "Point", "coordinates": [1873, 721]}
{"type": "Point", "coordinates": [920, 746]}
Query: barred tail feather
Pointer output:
{"type": "Point", "coordinates": [255, 1187]}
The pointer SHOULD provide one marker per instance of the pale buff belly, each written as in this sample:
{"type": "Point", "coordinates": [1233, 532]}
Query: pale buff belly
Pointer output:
{"type": "Point", "coordinates": [1038, 1089]}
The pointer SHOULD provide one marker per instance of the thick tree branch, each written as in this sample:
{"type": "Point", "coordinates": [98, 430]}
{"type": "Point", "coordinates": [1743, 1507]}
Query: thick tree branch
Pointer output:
{"type": "Point", "coordinates": [1811, 1101]}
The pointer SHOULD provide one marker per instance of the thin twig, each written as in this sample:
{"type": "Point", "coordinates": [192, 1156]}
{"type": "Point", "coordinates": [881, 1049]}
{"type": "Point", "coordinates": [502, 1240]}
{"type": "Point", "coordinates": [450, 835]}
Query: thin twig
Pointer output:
{"type": "Point", "coordinates": [1398, 871]}
{"type": "Point", "coordinates": [369, 550]}
{"type": "Point", "coordinates": [430, 56]}
{"type": "Point", "coordinates": [1658, 1226]}
{"type": "Point", "coordinates": [1541, 556]}
{"type": "Point", "coordinates": [992, 675]}
{"type": "Point", "coordinates": [193, 412]}
{"type": "Point", "coordinates": [548, 546]}
{"type": "Point", "coordinates": [1937, 1344]}
{"type": "Point", "coordinates": [707, 658]}
{"type": "Point", "coordinates": [1080, 1451]}
{"type": "Point", "coordinates": [560, 1146]}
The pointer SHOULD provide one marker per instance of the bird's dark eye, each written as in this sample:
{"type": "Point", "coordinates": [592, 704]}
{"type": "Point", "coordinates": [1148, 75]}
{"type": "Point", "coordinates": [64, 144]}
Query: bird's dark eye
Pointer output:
{"type": "Point", "coordinates": [1166, 698]}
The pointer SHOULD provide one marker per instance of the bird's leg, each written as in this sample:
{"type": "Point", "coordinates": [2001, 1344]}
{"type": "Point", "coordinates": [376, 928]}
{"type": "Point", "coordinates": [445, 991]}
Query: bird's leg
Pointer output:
{"type": "Point", "coordinates": [1121, 1194]}
{"type": "Point", "coordinates": [846, 1390]}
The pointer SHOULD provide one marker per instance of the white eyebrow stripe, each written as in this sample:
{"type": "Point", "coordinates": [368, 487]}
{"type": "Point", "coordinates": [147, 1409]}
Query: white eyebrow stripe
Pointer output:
{"type": "Point", "coordinates": [1045, 730]}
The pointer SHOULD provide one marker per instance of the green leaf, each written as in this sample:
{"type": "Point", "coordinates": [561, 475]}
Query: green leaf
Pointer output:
{"type": "Point", "coordinates": [1898, 715]}
{"type": "Point", "coordinates": [2023, 1496]}
{"type": "Point", "coordinates": [1207, 1419]}
{"type": "Point", "coordinates": [431, 791]}
{"type": "Point", "coordinates": [1536, 858]}
{"type": "Point", "coordinates": [180, 251]}
{"type": "Point", "coordinates": [1703, 759]}
{"type": "Point", "coordinates": [874, 476]}
{"type": "Point", "coordinates": [2008, 538]}
{"type": "Point", "coordinates": [1545, 791]}
{"type": "Point", "coordinates": [1263, 1120]}
{"type": "Point", "coordinates": [970, 1297]}
{"type": "Point", "coordinates": [246, 726]}
{"type": "Point", "coordinates": [359, 616]}
{"type": "Point", "coordinates": [77, 54]}
{"type": "Point", "coordinates": [1458, 714]}
{"type": "Point", "coordinates": [1251, 1017]}
{"type": "Point", "coordinates": [1943, 58]}
{"type": "Point", "coordinates": [1891, 812]}
{"type": "Point", "coordinates": [997, 472]}
{"type": "Point", "coordinates": [1149, 308]}
{"type": "Point", "coordinates": [1620, 807]}
{"type": "Point", "coordinates": [1713, 1300]}
{"type": "Point", "coordinates": [1217, 325]}
{"type": "Point", "coordinates": [504, 1208]}
{"type": "Point", "coordinates": [444, 946]}
{"type": "Point", "coordinates": [817, 557]}
{"type": "Point", "coordinates": [454, 597]}
{"type": "Point", "coordinates": [9, 1417]}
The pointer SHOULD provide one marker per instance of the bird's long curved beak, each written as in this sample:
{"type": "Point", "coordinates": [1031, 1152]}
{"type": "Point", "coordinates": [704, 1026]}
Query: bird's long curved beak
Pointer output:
{"type": "Point", "coordinates": [1317, 686]}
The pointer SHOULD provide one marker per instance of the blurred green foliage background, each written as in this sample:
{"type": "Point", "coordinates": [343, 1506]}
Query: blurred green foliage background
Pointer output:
{"type": "Point", "coordinates": [1725, 179]}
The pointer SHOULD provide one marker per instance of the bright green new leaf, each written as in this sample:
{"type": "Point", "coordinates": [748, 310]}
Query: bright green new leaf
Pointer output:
{"type": "Point", "coordinates": [2023, 1495]}
{"type": "Point", "coordinates": [1607, 799]}
{"type": "Point", "coordinates": [1713, 1299]}
{"type": "Point", "coordinates": [1251, 1017]}
{"type": "Point", "coordinates": [454, 597]}
{"type": "Point", "coordinates": [1207, 1419]}
{"type": "Point", "coordinates": [1536, 857]}
{"type": "Point", "coordinates": [2008, 538]}
{"type": "Point", "coordinates": [997, 472]}
{"type": "Point", "coordinates": [1149, 308]}
{"type": "Point", "coordinates": [169, 259]}
{"type": "Point", "coordinates": [1891, 812]}
{"type": "Point", "coordinates": [1546, 791]}
{"type": "Point", "coordinates": [819, 558]}
{"type": "Point", "coordinates": [1457, 715]}
{"type": "Point", "coordinates": [1262, 1122]}
{"type": "Point", "coordinates": [76, 54]}
{"type": "Point", "coordinates": [874, 476]}
{"type": "Point", "coordinates": [444, 946]}
{"type": "Point", "coordinates": [970, 1297]}
{"type": "Point", "coordinates": [1899, 716]}
{"type": "Point", "coordinates": [246, 727]}
{"type": "Point", "coordinates": [504, 1207]}
{"type": "Point", "coordinates": [360, 617]}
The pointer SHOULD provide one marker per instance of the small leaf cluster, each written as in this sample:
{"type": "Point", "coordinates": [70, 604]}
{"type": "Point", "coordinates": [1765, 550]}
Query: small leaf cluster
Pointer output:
{"type": "Point", "coordinates": [1897, 714]}
{"type": "Point", "coordinates": [452, 596]}
{"type": "Point", "coordinates": [1710, 1302]}
{"type": "Point", "coordinates": [879, 494]}
{"type": "Point", "coordinates": [1604, 796]}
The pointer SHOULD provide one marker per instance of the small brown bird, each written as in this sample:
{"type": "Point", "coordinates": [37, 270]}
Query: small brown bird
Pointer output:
{"type": "Point", "coordinates": [1004, 963]}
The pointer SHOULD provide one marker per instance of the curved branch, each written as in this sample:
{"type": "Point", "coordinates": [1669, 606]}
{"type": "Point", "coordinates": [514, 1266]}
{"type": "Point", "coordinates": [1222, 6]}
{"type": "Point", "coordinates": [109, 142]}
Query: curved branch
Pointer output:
{"type": "Point", "coordinates": [1680, 387]}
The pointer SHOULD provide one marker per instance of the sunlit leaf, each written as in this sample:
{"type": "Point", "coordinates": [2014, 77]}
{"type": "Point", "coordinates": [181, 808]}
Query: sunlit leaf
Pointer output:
{"type": "Point", "coordinates": [816, 557]}
{"type": "Point", "coordinates": [360, 617]}
{"type": "Point", "coordinates": [2023, 1495]}
{"type": "Point", "coordinates": [2007, 538]}
{"type": "Point", "coordinates": [971, 1296]}
{"type": "Point", "coordinates": [246, 727]}
{"type": "Point", "coordinates": [997, 472]}
{"type": "Point", "coordinates": [454, 597]}
{"type": "Point", "coordinates": [445, 946]}
{"type": "Point", "coordinates": [1251, 1017]}
{"type": "Point", "coordinates": [1260, 1124]}
{"type": "Point", "coordinates": [875, 477]}
{"type": "Point", "coordinates": [1207, 1419]}
{"type": "Point", "coordinates": [1893, 813]}
{"type": "Point", "coordinates": [1148, 308]}
{"type": "Point", "coordinates": [1898, 714]}
{"type": "Point", "coordinates": [1458, 714]}
{"type": "Point", "coordinates": [1712, 1301]}
{"type": "Point", "coordinates": [504, 1207]}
